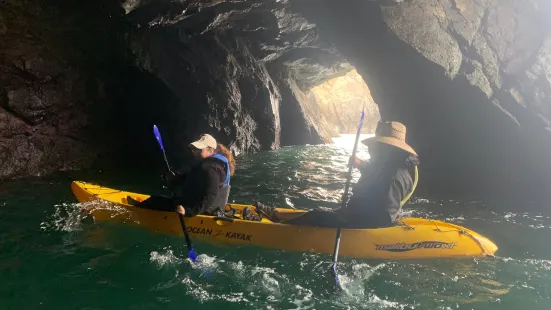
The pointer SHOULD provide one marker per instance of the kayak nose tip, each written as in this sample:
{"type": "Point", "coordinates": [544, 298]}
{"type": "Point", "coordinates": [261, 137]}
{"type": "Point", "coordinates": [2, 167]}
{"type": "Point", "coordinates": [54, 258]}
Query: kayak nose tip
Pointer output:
{"type": "Point", "coordinates": [487, 246]}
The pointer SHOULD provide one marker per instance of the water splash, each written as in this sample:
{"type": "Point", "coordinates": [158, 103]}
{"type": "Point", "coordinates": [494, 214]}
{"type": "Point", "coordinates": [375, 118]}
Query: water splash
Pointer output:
{"type": "Point", "coordinates": [164, 258]}
{"type": "Point", "coordinates": [68, 217]}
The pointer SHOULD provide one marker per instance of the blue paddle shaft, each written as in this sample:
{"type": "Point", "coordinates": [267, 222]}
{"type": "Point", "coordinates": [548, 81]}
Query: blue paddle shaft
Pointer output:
{"type": "Point", "coordinates": [192, 254]}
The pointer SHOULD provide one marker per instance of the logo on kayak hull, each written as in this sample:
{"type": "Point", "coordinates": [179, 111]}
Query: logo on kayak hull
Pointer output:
{"type": "Point", "coordinates": [404, 247]}
{"type": "Point", "coordinates": [226, 234]}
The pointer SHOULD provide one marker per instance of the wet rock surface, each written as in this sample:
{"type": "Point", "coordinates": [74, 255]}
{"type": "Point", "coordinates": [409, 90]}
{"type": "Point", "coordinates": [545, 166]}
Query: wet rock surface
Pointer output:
{"type": "Point", "coordinates": [470, 78]}
{"type": "Point", "coordinates": [44, 88]}
{"type": "Point", "coordinates": [237, 67]}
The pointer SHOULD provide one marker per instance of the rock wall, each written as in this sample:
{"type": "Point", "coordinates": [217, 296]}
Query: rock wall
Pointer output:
{"type": "Point", "coordinates": [49, 76]}
{"type": "Point", "coordinates": [237, 67]}
{"type": "Point", "coordinates": [470, 79]}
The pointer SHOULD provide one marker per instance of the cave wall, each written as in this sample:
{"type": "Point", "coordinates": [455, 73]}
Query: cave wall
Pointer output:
{"type": "Point", "coordinates": [238, 69]}
{"type": "Point", "coordinates": [84, 81]}
{"type": "Point", "coordinates": [51, 59]}
{"type": "Point", "coordinates": [470, 79]}
{"type": "Point", "coordinates": [71, 96]}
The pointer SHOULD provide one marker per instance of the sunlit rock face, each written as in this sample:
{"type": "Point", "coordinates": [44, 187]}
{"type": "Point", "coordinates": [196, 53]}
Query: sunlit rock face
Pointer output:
{"type": "Point", "coordinates": [341, 101]}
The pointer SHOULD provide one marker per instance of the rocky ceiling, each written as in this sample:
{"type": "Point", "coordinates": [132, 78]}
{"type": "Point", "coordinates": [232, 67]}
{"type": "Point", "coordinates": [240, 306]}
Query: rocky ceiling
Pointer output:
{"type": "Point", "coordinates": [470, 78]}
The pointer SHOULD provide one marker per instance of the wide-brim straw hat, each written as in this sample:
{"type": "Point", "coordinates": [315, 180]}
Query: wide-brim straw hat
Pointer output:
{"type": "Point", "coordinates": [391, 133]}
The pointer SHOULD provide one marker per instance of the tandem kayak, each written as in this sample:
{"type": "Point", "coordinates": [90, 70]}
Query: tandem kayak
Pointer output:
{"type": "Point", "coordinates": [412, 238]}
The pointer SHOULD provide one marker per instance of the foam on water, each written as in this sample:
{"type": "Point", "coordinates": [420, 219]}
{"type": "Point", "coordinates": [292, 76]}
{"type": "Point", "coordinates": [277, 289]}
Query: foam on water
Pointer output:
{"type": "Point", "coordinates": [164, 258]}
{"type": "Point", "coordinates": [260, 286]}
{"type": "Point", "coordinates": [254, 278]}
{"type": "Point", "coordinates": [68, 217]}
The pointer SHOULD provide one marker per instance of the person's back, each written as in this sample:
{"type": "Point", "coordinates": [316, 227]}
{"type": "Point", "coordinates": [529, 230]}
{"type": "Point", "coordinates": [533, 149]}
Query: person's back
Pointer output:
{"type": "Point", "coordinates": [379, 194]}
{"type": "Point", "coordinates": [376, 198]}
{"type": "Point", "coordinates": [206, 187]}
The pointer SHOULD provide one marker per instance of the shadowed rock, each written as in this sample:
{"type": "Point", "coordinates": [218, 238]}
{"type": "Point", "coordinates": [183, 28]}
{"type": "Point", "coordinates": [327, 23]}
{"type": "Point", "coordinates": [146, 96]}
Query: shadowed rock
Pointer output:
{"type": "Point", "coordinates": [470, 78]}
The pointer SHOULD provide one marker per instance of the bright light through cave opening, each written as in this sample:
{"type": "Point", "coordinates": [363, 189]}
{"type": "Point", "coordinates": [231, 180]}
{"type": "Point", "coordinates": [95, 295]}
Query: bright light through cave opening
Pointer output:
{"type": "Point", "coordinates": [341, 100]}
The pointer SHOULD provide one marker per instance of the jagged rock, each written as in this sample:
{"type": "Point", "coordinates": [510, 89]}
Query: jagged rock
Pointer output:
{"type": "Point", "coordinates": [470, 78]}
{"type": "Point", "coordinates": [46, 71]}
{"type": "Point", "coordinates": [237, 67]}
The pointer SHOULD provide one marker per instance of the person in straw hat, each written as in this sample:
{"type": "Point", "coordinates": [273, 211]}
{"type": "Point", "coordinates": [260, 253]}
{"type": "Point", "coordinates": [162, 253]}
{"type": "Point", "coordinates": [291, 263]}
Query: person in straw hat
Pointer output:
{"type": "Point", "coordinates": [378, 196]}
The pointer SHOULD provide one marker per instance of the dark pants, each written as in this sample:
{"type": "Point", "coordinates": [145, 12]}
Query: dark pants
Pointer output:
{"type": "Point", "coordinates": [333, 218]}
{"type": "Point", "coordinates": [158, 203]}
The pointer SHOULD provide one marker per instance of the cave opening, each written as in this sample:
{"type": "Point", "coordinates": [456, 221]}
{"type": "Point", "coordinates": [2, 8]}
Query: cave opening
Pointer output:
{"type": "Point", "coordinates": [329, 108]}
{"type": "Point", "coordinates": [341, 100]}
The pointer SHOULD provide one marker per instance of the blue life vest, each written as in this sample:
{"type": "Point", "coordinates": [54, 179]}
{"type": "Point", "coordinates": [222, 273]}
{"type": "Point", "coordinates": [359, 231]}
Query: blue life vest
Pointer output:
{"type": "Point", "coordinates": [225, 160]}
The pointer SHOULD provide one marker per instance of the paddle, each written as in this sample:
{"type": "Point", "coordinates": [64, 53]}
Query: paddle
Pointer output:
{"type": "Point", "coordinates": [343, 205]}
{"type": "Point", "coordinates": [192, 254]}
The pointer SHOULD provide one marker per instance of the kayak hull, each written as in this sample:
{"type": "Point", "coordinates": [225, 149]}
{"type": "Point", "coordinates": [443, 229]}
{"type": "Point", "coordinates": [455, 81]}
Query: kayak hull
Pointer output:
{"type": "Point", "coordinates": [414, 238]}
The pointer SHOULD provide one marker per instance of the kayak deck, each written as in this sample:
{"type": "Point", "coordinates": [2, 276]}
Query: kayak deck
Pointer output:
{"type": "Point", "coordinates": [412, 238]}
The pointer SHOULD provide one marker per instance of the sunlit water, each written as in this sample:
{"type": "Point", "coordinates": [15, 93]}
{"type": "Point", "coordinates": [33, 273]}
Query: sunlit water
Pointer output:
{"type": "Point", "coordinates": [54, 257]}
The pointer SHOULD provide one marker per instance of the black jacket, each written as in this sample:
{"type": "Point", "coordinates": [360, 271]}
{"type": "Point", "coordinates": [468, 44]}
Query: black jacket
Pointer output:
{"type": "Point", "coordinates": [201, 190]}
{"type": "Point", "coordinates": [376, 198]}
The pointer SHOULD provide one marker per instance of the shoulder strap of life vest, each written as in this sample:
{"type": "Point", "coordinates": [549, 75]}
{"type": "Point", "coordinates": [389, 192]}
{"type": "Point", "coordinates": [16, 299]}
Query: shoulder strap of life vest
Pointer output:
{"type": "Point", "coordinates": [225, 160]}
{"type": "Point", "coordinates": [416, 178]}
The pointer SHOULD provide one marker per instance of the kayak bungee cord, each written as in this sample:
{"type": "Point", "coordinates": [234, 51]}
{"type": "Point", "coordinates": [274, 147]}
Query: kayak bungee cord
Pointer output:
{"type": "Point", "coordinates": [343, 203]}
{"type": "Point", "coordinates": [192, 254]}
{"type": "Point", "coordinates": [108, 193]}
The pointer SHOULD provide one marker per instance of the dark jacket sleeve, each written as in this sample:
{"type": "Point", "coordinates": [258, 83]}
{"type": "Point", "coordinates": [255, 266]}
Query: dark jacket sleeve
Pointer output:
{"type": "Point", "coordinates": [211, 175]}
{"type": "Point", "coordinates": [178, 178]}
{"type": "Point", "coordinates": [364, 167]}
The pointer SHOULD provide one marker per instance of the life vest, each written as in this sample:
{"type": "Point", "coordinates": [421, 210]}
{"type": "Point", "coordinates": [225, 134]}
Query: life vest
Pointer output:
{"type": "Point", "coordinates": [224, 187]}
{"type": "Point", "coordinates": [223, 158]}
{"type": "Point", "coordinates": [415, 179]}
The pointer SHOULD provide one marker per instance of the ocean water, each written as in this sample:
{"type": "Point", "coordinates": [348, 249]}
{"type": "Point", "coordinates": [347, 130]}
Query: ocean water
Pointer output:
{"type": "Point", "coordinates": [53, 256]}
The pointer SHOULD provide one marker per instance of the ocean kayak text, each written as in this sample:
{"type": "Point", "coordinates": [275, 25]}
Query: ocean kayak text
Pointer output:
{"type": "Point", "coordinates": [228, 234]}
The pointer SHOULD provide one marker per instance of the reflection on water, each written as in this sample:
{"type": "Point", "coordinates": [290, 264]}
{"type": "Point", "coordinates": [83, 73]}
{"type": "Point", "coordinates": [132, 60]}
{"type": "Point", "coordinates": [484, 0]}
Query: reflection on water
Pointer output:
{"type": "Point", "coordinates": [306, 177]}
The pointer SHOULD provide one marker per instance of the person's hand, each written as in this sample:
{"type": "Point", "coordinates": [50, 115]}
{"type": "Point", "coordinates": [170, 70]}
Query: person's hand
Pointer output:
{"type": "Point", "coordinates": [354, 162]}
{"type": "Point", "coordinates": [181, 210]}
{"type": "Point", "coordinates": [170, 176]}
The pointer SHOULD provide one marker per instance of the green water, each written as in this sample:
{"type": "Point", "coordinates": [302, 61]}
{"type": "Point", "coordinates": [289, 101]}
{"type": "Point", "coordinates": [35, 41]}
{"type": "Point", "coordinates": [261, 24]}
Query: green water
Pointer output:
{"type": "Point", "coordinates": [54, 257]}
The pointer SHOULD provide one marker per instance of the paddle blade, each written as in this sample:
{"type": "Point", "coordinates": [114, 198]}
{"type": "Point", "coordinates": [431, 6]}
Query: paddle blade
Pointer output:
{"type": "Point", "coordinates": [158, 137]}
{"type": "Point", "coordinates": [192, 255]}
{"type": "Point", "coordinates": [361, 122]}
{"type": "Point", "coordinates": [336, 275]}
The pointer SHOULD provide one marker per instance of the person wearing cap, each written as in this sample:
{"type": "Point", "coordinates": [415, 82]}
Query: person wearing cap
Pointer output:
{"type": "Point", "coordinates": [206, 187]}
{"type": "Point", "coordinates": [385, 183]}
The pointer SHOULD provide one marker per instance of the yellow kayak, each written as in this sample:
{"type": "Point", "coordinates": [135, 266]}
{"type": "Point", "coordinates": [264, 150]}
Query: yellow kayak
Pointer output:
{"type": "Point", "coordinates": [412, 238]}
